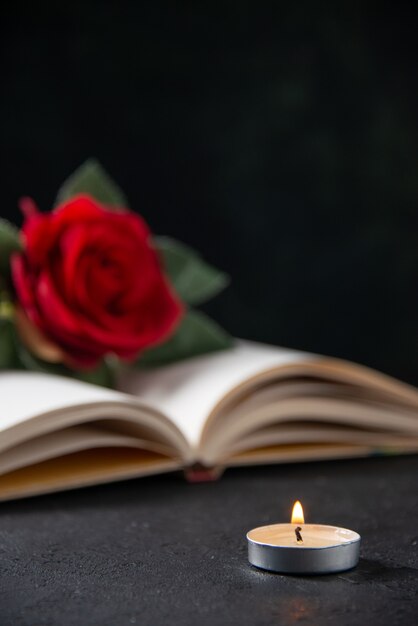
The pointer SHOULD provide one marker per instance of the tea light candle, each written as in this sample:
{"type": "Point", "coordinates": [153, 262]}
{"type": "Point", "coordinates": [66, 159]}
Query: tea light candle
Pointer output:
{"type": "Point", "coordinates": [299, 548]}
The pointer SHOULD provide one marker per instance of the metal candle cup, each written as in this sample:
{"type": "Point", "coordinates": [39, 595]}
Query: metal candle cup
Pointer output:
{"type": "Point", "coordinates": [299, 548]}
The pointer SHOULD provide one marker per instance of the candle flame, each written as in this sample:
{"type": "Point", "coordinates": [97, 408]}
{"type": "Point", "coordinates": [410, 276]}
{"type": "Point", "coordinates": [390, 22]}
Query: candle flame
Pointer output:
{"type": "Point", "coordinates": [297, 514]}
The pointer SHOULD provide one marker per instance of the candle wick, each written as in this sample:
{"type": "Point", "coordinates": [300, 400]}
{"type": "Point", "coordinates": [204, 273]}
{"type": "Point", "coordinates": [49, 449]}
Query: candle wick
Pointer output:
{"type": "Point", "coordinates": [298, 535]}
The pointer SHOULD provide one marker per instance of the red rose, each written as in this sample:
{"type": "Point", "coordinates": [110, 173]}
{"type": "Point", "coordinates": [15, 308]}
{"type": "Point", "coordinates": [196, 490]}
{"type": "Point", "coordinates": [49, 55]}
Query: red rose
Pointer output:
{"type": "Point", "coordinates": [91, 282]}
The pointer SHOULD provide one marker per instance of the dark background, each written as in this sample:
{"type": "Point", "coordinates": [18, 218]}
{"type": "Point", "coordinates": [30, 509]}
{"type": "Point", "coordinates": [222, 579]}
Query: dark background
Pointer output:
{"type": "Point", "coordinates": [278, 139]}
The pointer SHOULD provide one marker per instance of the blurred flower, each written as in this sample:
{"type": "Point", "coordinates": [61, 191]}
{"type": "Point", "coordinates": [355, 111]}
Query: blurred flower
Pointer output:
{"type": "Point", "coordinates": [89, 283]}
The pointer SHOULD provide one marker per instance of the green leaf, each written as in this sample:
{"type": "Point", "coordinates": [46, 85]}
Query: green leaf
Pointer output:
{"type": "Point", "coordinates": [29, 361]}
{"type": "Point", "coordinates": [90, 178]}
{"type": "Point", "coordinates": [193, 279]}
{"type": "Point", "coordinates": [101, 375]}
{"type": "Point", "coordinates": [9, 358]}
{"type": "Point", "coordinates": [197, 334]}
{"type": "Point", "coordinates": [9, 243]}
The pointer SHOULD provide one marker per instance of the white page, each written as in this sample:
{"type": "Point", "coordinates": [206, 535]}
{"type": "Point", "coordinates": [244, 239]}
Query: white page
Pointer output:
{"type": "Point", "coordinates": [188, 391]}
{"type": "Point", "coordinates": [24, 395]}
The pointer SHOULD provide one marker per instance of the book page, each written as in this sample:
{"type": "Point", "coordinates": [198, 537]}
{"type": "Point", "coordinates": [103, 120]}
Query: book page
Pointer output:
{"type": "Point", "coordinates": [27, 394]}
{"type": "Point", "coordinates": [188, 391]}
{"type": "Point", "coordinates": [34, 404]}
{"type": "Point", "coordinates": [70, 440]}
{"type": "Point", "coordinates": [83, 468]}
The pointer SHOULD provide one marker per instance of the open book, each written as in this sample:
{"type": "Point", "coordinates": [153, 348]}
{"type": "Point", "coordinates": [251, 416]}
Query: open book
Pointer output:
{"type": "Point", "coordinates": [250, 404]}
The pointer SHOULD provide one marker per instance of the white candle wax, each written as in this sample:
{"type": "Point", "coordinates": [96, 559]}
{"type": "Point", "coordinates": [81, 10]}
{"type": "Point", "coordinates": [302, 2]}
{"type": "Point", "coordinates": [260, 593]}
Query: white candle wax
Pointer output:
{"type": "Point", "coordinates": [313, 535]}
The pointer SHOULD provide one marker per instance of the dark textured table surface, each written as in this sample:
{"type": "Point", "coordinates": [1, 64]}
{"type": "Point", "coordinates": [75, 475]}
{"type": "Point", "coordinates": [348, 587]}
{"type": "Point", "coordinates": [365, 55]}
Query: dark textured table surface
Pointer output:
{"type": "Point", "coordinates": [159, 550]}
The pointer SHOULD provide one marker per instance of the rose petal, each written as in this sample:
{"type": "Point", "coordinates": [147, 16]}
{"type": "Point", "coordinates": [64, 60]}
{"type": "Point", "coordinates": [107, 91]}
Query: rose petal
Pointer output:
{"type": "Point", "coordinates": [92, 282]}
